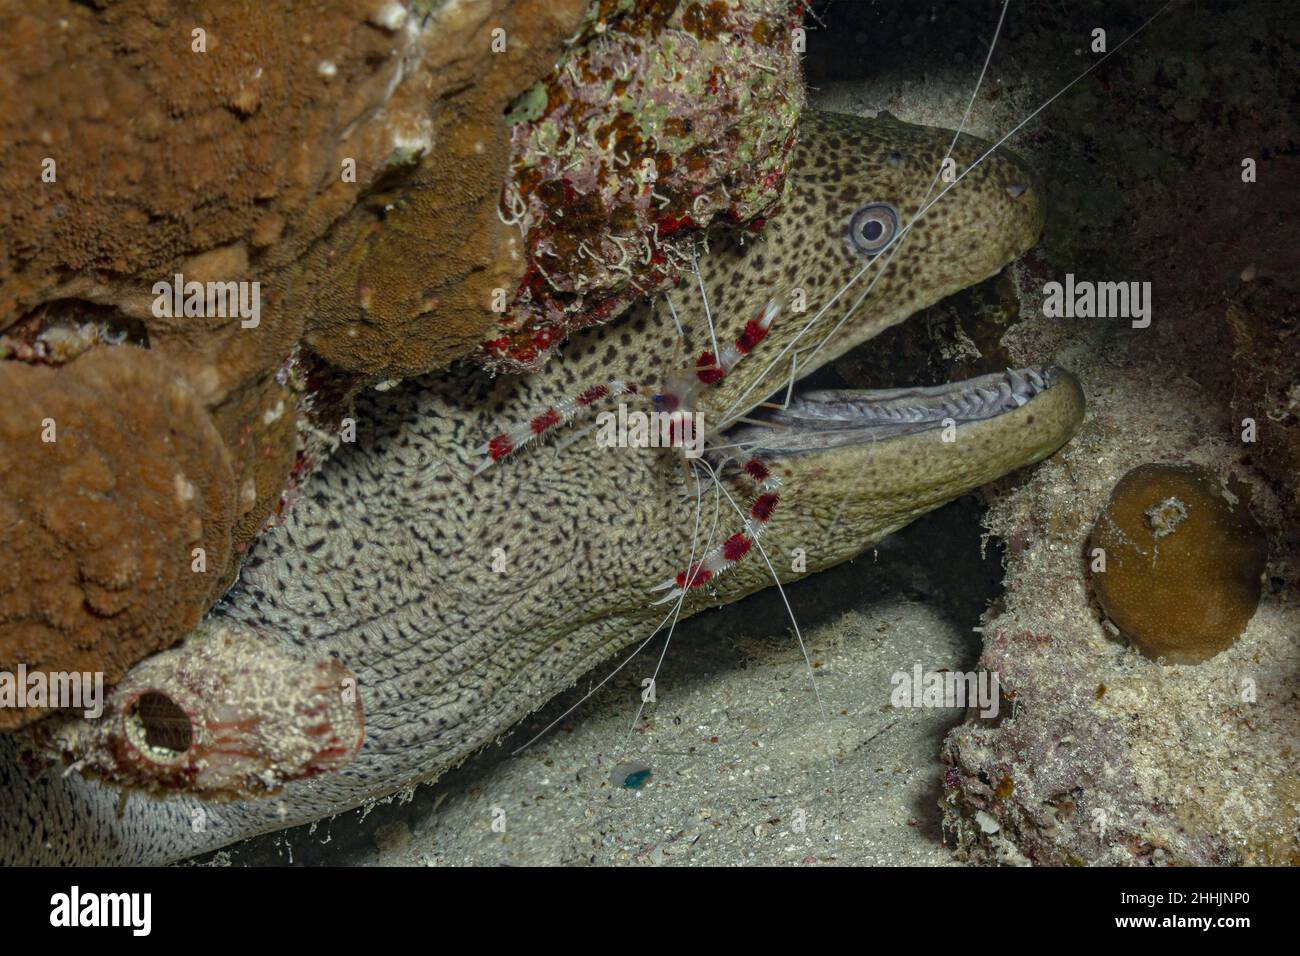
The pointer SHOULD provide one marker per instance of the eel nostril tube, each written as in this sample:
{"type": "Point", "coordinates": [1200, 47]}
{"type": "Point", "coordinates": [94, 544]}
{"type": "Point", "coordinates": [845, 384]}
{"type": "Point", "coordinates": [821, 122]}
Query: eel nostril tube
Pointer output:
{"type": "Point", "coordinates": [156, 725]}
{"type": "Point", "coordinates": [1016, 190]}
{"type": "Point", "coordinates": [229, 713]}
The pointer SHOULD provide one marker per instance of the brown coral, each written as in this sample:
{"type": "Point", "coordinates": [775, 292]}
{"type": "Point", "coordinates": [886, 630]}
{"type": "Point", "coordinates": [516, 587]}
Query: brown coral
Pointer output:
{"type": "Point", "coordinates": [114, 477]}
{"type": "Point", "coordinates": [211, 154]}
{"type": "Point", "coordinates": [226, 156]}
{"type": "Point", "coordinates": [147, 142]}
{"type": "Point", "coordinates": [1176, 566]}
{"type": "Point", "coordinates": [260, 421]}
{"type": "Point", "coordinates": [138, 122]}
{"type": "Point", "coordinates": [405, 283]}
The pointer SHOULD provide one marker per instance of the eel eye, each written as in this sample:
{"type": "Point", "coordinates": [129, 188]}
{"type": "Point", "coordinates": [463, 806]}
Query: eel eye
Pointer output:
{"type": "Point", "coordinates": [872, 227]}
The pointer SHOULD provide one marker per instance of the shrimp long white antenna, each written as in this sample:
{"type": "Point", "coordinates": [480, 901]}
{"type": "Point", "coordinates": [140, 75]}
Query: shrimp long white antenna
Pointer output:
{"type": "Point", "coordinates": [704, 299]}
{"type": "Point", "coordinates": [896, 241]}
{"type": "Point", "coordinates": [677, 607]}
{"type": "Point", "coordinates": [892, 247]}
{"type": "Point", "coordinates": [681, 333]}
{"type": "Point", "coordinates": [673, 614]}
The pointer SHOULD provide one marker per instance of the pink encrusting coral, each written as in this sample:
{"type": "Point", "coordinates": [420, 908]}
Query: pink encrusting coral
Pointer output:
{"type": "Point", "coordinates": [224, 715]}
{"type": "Point", "coordinates": [666, 117]}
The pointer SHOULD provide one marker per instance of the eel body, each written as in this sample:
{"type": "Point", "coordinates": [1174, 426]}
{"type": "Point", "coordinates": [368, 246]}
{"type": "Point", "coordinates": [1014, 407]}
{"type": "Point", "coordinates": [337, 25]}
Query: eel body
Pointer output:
{"type": "Point", "coordinates": [463, 602]}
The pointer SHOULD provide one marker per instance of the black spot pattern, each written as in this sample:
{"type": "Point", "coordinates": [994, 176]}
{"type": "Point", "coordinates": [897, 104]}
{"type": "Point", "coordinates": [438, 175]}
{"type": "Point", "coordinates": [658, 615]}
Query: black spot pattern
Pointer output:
{"type": "Point", "coordinates": [387, 564]}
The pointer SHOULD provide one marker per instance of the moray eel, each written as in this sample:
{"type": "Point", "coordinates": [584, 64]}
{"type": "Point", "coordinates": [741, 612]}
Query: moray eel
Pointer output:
{"type": "Point", "coordinates": [464, 602]}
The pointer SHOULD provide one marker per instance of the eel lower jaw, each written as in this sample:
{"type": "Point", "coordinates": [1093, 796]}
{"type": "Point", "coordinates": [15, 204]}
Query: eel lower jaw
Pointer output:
{"type": "Point", "coordinates": [820, 420]}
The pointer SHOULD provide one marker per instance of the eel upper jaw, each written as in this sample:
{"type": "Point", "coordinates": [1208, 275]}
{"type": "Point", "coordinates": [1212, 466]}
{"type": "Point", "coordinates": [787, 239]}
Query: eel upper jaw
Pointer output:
{"type": "Point", "coordinates": [816, 421]}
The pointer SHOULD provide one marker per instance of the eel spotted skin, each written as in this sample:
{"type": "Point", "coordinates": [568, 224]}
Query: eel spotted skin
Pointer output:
{"type": "Point", "coordinates": [462, 602]}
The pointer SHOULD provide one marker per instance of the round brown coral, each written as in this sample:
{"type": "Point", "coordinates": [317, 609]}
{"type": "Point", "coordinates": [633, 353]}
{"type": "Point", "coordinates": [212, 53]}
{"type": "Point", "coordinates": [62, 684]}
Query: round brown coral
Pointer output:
{"type": "Point", "coordinates": [100, 525]}
{"type": "Point", "coordinates": [1182, 563]}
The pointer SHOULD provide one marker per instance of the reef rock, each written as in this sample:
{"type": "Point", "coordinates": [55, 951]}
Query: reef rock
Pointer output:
{"type": "Point", "coordinates": [407, 280]}
{"type": "Point", "coordinates": [117, 502]}
{"type": "Point", "coordinates": [1264, 321]}
{"type": "Point", "coordinates": [1099, 754]}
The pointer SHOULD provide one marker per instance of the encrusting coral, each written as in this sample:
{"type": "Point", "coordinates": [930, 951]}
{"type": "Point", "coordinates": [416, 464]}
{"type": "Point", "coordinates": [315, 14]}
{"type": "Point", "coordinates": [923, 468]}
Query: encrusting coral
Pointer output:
{"type": "Point", "coordinates": [668, 116]}
{"type": "Point", "coordinates": [117, 503]}
{"type": "Point", "coordinates": [405, 281]}
{"type": "Point", "coordinates": [1176, 565]}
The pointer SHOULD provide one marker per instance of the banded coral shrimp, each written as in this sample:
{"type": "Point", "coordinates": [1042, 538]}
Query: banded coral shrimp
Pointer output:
{"type": "Point", "coordinates": [872, 230]}
{"type": "Point", "coordinates": [786, 361]}
{"type": "Point", "coordinates": [675, 404]}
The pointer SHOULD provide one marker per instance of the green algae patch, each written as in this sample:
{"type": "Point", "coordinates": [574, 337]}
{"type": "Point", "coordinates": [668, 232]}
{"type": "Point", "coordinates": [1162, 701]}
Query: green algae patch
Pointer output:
{"type": "Point", "coordinates": [1177, 564]}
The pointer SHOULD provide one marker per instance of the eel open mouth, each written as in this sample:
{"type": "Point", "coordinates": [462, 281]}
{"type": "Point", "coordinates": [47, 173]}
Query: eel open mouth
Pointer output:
{"type": "Point", "coordinates": [818, 420]}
